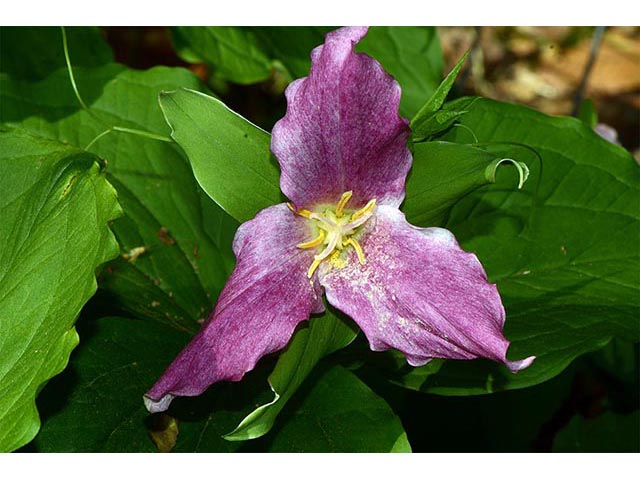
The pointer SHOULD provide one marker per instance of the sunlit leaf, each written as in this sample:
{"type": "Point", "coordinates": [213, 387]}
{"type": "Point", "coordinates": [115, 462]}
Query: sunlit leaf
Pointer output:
{"type": "Point", "coordinates": [230, 156]}
{"type": "Point", "coordinates": [55, 208]}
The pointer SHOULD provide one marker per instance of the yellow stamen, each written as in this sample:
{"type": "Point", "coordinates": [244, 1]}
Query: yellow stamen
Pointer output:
{"type": "Point", "coordinates": [343, 201]}
{"type": "Point", "coordinates": [354, 243]}
{"type": "Point", "coordinates": [313, 267]}
{"type": "Point", "coordinates": [335, 230]}
{"type": "Point", "coordinates": [302, 212]}
{"type": "Point", "coordinates": [368, 208]}
{"type": "Point", "coordinates": [313, 243]}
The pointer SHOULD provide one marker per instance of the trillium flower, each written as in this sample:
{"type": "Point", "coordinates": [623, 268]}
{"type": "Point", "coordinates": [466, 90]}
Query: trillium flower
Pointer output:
{"type": "Point", "coordinates": [344, 160]}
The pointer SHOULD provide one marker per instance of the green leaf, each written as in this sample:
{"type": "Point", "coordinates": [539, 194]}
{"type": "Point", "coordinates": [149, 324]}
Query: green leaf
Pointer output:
{"type": "Point", "coordinates": [559, 249]}
{"type": "Point", "coordinates": [607, 433]}
{"type": "Point", "coordinates": [412, 55]}
{"type": "Point", "coordinates": [323, 336]}
{"type": "Point", "coordinates": [33, 53]}
{"type": "Point", "coordinates": [183, 237]}
{"type": "Point", "coordinates": [442, 173]}
{"type": "Point", "coordinates": [229, 155]}
{"type": "Point", "coordinates": [420, 123]}
{"type": "Point", "coordinates": [340, 414]}
{"type": "Point", "coordinates": [234, 52]}
{"type": "Point", "coordinates": [55, 207]}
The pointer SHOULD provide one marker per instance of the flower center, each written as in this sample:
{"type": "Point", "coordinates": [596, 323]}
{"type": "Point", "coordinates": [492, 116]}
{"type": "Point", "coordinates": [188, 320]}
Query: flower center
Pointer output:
{"type": "Point", "coordinates": [335, 228]}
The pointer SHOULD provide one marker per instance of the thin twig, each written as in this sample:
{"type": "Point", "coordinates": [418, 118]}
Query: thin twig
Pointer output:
{"type": "Point", "coordinates": [593, 54]}
{"type": "Point", "coordinates": [473, 52]}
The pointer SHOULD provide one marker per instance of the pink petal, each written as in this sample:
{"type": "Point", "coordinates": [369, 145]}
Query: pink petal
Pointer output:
{"type": "Point", "coordinates": [342, 130]}
{"type": "Point", "coordinates": [267, 295]}
{"type": "Point", "coordinates": [419, 293]}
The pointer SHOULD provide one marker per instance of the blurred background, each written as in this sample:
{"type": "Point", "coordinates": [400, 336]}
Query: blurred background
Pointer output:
{"type": "Point", "coordinates": [549, 68]}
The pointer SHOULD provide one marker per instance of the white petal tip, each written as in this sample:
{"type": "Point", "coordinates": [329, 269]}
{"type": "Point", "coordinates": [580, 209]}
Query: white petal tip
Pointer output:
{"type": "Point", "coordinates": [518, 365]}
{"type": "Point", "coordinates": [160, 405]}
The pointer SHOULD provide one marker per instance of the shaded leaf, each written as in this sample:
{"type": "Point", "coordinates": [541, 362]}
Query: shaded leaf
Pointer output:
{"type": "Point", "coordinates": [234, 52]}
{"type": "Point", "coordinates": [292, 45]}
{"type": "Point", "coordinates": [340, 414]}
{"type": "Point", "coordinates": [33, 53]}
{"type": "Point", "coordinates": [608, 433]}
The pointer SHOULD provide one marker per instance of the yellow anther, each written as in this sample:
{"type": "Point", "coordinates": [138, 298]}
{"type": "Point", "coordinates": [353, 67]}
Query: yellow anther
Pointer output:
{"type": "Point", "coordinates": [367, 209]}
{"type": "Point", "coordinates": [354, 243]}
{"type": "Point", "coordinates": [313, 267]}
{"type": "Point", "coordinates": [343, 201]}
{"type": "Point", "coordinates": [313, 243]}
{"type": "Point", "coordinates": [291, 207]}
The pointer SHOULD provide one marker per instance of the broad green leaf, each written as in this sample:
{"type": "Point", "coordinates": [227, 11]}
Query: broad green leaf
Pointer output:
{"type": "Point", "coordinates": [412, 55]}
{"type": "Point", "coordinates": [32, 53]}
{"type": "Point", "coordinates": [114, 365]}
{"type": "Point", "coordinates": [183, 239]}
{"type": "Point", "coordinates": [230, 156]}
{"type": "Point", "coordinates": [607, 433]}
{"type": "Point", "coordinates": [420, 123]}
{"type": "Point", "coordinates": [339, 413]}
{"type": "Point", "coordinates": [561, 249]}
{"type": "Point", "coordinates": [234, 52]}
{"type": "Point", "coordinates": [55, 208]}
{"type": "Point", "coordinates": [442, 173]}
{"type": "Point", "coordinates": [323, 336]}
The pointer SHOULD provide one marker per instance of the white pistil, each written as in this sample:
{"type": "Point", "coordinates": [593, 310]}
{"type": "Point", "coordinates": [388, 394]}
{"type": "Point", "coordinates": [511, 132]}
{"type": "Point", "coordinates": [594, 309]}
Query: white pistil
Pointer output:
{"type": "Point", "coordinates": [338, 228]}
